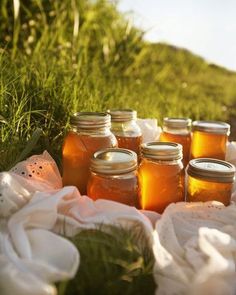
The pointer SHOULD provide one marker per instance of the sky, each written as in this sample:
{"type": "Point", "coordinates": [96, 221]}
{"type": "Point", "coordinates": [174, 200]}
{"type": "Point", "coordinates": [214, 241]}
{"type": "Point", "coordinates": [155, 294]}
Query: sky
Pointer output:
{"type": "Point", "coordinates": [205, 27]}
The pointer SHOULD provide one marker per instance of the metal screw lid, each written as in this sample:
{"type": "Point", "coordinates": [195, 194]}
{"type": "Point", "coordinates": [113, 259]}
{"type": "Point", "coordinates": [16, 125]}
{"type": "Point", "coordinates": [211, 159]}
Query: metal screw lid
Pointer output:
{"type": "Point", "coordinates": [90, 120]}
{"type": "Point", "coordinates": [216, 127]}
{"type": "Point", "coordinates": [212, 170]}
{"type": "Point", "coordinates": [122, 115]}
{"type": "Point", "coordinates": [113, 161]}
{"type": "Point", "coordinates": [177, 123]}
{"type": "Point", "coordinates": [166, 151]}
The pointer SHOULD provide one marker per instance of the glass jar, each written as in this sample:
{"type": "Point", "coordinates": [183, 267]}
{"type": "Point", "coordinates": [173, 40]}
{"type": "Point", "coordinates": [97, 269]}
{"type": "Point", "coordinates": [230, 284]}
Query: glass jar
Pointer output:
{"type": "Point", "coordinates": [161, 175]}
{"type": "Point", "coordinates": [178, 130]}
{"type": "Point", "coordinates": [126, 130]}
{"type": "Point", "coordinates": [209, 139]}
{"type": "Point", "coordinates": [90, 131]}
{"type": "Point", "coordinates": [210, 180]}
{"type": "Point", "coordinates": [114, 176]}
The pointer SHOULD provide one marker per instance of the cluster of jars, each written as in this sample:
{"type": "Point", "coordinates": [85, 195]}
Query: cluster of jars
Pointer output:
{"type": "Point", "coordinates": [104, 157]}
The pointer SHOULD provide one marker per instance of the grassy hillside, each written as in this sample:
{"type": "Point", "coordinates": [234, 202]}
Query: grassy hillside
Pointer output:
{"type": "Point", "coordinates": [58, 57]}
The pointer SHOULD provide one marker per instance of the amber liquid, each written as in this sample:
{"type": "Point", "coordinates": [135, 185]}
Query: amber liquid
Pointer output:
{"type": "Point", "coordinates": [131, 143]}
{"type": "Point", "coordinates": [183, 139]}
{"type": "Point", "coordinates": [77, 152]}
{"type": "Point", "coordinates": [160, 184]}
{"type": "Point", "coordinates": [114, 188]}
{"type": "Point", "coordinates": [208, 145]}
{"type": "Point", "coordinates": [202, 191]}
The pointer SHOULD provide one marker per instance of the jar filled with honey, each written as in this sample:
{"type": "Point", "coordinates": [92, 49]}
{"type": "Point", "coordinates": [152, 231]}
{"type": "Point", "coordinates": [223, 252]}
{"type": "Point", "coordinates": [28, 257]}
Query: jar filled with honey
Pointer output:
{"type": "Point", "coordinates": [178, 130]}
{"type": "Point", "coordinates": [161, 175]}
{"type": "Point", "coordinates": [90, 132]}
{"type": "Point", "coordinates": [126, 130]}
{"type": "Point", "coordinates": [114, 176]}
{"type": "Point", "coordinates": [210, 180]}
{"type": "Point", "coordinates": [209, 139]}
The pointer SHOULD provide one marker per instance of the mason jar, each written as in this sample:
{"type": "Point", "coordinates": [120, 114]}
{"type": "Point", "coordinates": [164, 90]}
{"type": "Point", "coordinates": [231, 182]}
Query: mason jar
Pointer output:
{"type": "Point", "coordinates": [178, 130]}
{"type": "Point", "coordinates": [209, 139]}
{"type": "Point", "coordinates": [161, 175]}
{"type": "Point", "coordinates": [114, 176]}
{"type": "Point", "coordinates": [90, 131]}
{"type": "Point", "coordinates": [210, 180]}
{"type": "Point", "coordinates": [126, 129]}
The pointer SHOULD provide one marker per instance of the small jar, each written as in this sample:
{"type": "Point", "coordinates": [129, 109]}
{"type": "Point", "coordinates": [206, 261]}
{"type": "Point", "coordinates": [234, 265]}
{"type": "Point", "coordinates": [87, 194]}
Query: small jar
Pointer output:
{"type": "Point", "coordinates": [178, 130]}
{"type": "Point", "coordinates": [210, 180]}
{"type": "Point", "coordinates": [209, 139]}
{"type": "Point", "coordinates": [90, 132]}
{"type": "Point", "coordinates": [126, 130]}
{"type": "Point", "coordinates": [161, 175]}
{"type": "Point", "coordinates": [114, 176]}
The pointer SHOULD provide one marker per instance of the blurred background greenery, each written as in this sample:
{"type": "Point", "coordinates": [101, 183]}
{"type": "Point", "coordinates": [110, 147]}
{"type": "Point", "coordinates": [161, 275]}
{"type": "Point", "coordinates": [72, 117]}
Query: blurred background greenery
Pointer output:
{"type": "Point", "coordinates": [57, 57]}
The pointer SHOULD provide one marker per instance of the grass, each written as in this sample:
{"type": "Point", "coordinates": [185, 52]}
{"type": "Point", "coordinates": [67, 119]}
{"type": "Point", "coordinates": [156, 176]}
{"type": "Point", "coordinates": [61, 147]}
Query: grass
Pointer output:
{"type": "Point", "coordinates": [57, 57]}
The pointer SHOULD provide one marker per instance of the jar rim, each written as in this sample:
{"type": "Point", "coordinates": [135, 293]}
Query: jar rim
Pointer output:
{"type": "Point", "coordinates": [216, 127]}
{"type": "Point", "coordinates": [122, 115]}
{"type": "Point", "coordinates": [166, 151]}
{"type": "Point", "coordinates": [112, 161]}
{"type": "Point", "coordinates": [211, 169]}
{"type": "Point", "coordinates": [90, 120]}
{"type": "Point", "coordinates": [177, 123]}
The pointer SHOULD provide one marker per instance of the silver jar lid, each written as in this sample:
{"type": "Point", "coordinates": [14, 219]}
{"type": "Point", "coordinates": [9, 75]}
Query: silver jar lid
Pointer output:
{"type": "Point", "coordinates": [90, 120]}
{"type": "Point", "coordinates": [177, 123]}
{"type": "Point", "coordinates": [113, 161]}
{"type": "Point", "coordinates": [216, 127]}
{"type": "Point", "coordinates": [122, 115]}
{"type": "Point", "coordinates": [211, 169]}
{"type": "Point", "coordinates": [166, 151]}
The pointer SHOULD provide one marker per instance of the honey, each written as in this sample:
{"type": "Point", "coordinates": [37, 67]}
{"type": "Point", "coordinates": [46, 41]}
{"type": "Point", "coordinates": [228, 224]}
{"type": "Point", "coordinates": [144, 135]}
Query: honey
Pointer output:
{"type": "Point", "coordinates": [178, 130]}
{"type": "Point", "coordinates": [114, 176]}
{"type": "Point", "coordinates": [210, 180]}
{"type": "Point", "coordinates": [209, 139]}
{"type": "Point", "coordinates": [161, 175]}
{"type": "Point", "coordinates": [126, 130]}
{"type": "Point", "coordinates": [90, 132]}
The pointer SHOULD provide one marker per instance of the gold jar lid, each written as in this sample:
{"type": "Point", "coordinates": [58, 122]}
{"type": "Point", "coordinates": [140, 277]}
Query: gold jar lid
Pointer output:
{"type": "Point", "coordinates": [211, 169]}
{"type": "Point", "coordinates": [122, 115]}
{"type": "Point", "coordinates": [90, 120]}
{"type": "Point", "coordinates": [166, 151]}
{"type": "Point", "coordinates": [113, 161]}
{"type": "Point", "coordinates": [216, 127]}
{"type": "Point", "coordinates": [177, 123]}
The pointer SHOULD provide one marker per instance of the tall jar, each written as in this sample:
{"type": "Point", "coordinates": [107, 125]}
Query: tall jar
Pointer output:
{"type": "Point", "coordinates": [210, 180]}
{"type": "Point", "coordinates": [209, 139]}
{"type": "Point", "coordinates": [161, 175]}
{"type": "Point", "coordinates": [90, 131]}
{"type": "Point", "coordinates": [178, 130]}
{"type": "Point", "coordinates": [114, 176]}
{"type": "Point", "coordinates": [126, 130]}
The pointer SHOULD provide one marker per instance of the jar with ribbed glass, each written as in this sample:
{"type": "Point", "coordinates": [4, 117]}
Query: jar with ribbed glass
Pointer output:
{"type": "Point", "coordinates": [178, 130]}
{"type": "Point", "coordinates": [209, 139]}
{"type": "Point", "coordinates": [126, 129]}
{"type": "Point", "coordinates": [161, 175]}
{"type": "Point", "coordinates": [114, 176]}
{"type": "Point", "coordinates": [210, 180]}
{"type": "Point", "coordinates": [90, 132]}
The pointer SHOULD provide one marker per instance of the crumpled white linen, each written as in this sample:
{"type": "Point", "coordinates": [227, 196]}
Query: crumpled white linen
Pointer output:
{"type": "Point", "coordinates": [195, 247]}
{"type": "Point", "coordinates": [150, 129]}
{"type": "Point", "coordinates": [34, 212]}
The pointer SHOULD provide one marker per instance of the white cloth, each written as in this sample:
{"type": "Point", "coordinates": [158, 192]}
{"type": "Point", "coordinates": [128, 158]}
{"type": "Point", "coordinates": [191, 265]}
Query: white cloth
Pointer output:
{"type": "Point", "coordinates": [34, 209]}
{"type": "Point", "coordinates": [150, 129]}
{"type": "Point", "coordinates": [195, 247]}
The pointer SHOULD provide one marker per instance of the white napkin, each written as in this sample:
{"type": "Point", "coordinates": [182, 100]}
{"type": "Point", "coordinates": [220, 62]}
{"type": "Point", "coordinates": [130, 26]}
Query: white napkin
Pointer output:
{"type": "Point", "coordinates": [150, 129]}
{"type": "Point", "coordinates": [34, 209]}
{"type": "Point", "coordinates": [195, 247]}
